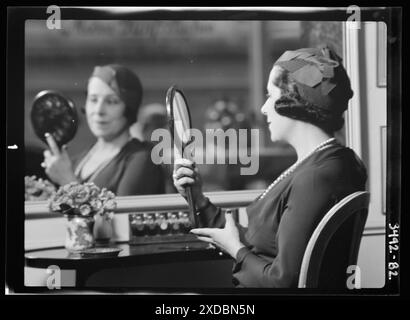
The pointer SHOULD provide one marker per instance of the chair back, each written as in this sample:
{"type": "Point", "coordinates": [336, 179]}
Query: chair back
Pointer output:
{"type": "Point", "coordinates": [335, 243]}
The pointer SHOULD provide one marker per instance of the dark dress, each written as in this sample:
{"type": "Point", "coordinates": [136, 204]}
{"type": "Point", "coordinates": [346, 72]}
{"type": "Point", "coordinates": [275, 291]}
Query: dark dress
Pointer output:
{"type": "Point", "coordinates": [280, 224]}
{"type": "Point", "coordinates": [130, 172]}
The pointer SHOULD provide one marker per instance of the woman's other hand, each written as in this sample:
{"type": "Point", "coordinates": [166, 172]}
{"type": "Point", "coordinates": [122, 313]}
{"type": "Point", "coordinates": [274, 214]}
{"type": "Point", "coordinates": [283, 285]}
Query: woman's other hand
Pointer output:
{"type": "Point", "coordinates": [226, 239]}
{"type": "Point", "coordinates": [187, 174]}
{"type": "Point", "coordinates": [57, 163]}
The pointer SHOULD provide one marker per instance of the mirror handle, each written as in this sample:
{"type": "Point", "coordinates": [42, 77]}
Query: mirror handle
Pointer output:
{"type": "Point", "coordinates": [192, 212]}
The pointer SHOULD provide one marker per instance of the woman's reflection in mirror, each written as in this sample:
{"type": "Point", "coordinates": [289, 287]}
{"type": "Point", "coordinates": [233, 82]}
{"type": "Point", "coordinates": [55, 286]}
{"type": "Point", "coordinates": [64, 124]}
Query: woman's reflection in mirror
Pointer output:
{"type": "Point", "coordinates": [116, 161]}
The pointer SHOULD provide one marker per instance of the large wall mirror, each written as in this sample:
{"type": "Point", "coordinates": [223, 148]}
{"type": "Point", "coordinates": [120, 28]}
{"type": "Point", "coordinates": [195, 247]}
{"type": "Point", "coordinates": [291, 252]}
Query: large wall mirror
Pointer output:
{"type": "Point", "coordinates": [222, 67]}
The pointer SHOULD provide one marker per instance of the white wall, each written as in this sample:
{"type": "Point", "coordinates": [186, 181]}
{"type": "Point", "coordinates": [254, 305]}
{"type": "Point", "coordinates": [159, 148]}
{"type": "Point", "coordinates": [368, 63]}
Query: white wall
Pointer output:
{"type": "Point", "coordinates": [372, 261]}
{"type": "Point", "coordinates": [373, 106]}
{"type": "Point", "coordinates": [51, 232]}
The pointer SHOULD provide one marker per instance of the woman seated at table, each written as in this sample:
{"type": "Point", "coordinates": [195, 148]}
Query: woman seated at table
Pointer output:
{"type": "Point", "coordinates": [308, 91]}
{"type": "Point", "coordinates": [116, 161]}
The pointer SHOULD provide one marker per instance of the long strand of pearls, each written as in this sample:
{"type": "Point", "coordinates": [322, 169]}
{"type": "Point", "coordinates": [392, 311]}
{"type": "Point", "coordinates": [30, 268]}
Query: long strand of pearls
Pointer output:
{"type": "Point", "coordinates": [295, 165]}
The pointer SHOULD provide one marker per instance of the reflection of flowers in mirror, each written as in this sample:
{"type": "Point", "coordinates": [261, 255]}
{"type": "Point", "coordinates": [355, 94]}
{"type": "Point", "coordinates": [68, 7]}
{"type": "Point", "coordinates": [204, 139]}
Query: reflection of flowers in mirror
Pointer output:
{"type": "Point", "coordinates": [83, 199]}
{"type": "Point", "coordinates": [37, 188]}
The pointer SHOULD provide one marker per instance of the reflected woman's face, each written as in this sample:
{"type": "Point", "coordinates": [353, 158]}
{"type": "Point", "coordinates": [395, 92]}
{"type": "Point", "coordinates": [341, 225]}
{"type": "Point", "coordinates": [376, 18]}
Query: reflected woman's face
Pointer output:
{"type": "Point", "coordinates": [279, 126]}
{"type": "Point", "coordinates": [105, 110]}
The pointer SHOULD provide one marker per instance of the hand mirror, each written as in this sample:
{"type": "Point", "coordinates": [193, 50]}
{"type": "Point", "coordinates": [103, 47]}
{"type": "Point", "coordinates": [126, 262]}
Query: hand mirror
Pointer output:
{"type": "Point", "coordinates": [53, 113]}
{"type": "Point", "coordinates": [179, 120]}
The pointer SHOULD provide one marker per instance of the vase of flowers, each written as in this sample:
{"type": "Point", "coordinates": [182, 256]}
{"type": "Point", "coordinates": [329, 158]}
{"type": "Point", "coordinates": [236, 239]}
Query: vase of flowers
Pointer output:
{"type": "Point", "coordinates": [82, 204]}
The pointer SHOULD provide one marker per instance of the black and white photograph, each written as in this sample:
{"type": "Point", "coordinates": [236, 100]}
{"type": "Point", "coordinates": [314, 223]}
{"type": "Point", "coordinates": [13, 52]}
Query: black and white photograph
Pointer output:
{"type": "Point", "coordinates": [193, 150]}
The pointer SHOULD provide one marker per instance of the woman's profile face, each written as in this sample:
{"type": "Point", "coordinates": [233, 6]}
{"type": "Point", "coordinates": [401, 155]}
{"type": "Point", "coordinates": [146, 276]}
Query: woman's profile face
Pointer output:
{"type": "Point", "coordinates": [105, 110]}
{"type": "Point", "coordinates": [279, 126]}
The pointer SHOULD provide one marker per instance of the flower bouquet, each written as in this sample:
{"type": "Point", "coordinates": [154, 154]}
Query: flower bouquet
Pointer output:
{"type": "Point", "coordinates": [82, 204]}
{"type": "Point", "coordinates": [37, 188]}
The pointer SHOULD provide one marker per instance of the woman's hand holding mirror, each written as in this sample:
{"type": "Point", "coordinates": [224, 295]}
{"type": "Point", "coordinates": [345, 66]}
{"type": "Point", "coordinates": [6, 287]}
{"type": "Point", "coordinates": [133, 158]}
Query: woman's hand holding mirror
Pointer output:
{"type": "Point", "coordinates": [57, 162]}
{"type": "Point", "coordinates": [187, 174]}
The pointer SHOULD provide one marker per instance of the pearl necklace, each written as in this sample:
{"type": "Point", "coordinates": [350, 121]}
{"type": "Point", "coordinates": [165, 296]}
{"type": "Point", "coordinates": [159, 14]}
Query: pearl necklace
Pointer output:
{"type": "Point", "coordinates": [290, 170]}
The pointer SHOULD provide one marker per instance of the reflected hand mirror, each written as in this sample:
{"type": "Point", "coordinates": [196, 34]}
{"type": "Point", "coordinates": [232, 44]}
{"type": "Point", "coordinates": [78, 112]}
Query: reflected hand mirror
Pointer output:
{"type": "Point", "coordinates": [53, 113]}
{"type": "Point", "coordinates": [179, 120]}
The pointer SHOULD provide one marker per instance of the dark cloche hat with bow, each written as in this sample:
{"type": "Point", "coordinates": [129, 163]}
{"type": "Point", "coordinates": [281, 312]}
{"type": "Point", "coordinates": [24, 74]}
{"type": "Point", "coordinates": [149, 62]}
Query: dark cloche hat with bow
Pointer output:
{"type": "Point", "coordinates": [319, 76]}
